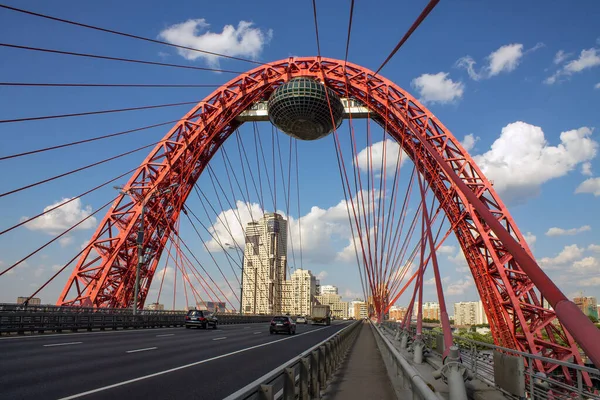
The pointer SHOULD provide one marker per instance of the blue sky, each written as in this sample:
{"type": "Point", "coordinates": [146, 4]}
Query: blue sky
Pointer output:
{"type": "Point", "coordinates": [535, 66]}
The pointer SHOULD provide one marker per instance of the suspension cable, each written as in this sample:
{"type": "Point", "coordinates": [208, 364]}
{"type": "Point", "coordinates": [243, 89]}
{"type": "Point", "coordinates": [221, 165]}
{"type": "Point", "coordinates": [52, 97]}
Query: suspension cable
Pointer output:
{"type": "Point", "coordinates": [414, 26]}
{"type": "Point", "coordinates": [349, 30]}
{"type": "Point", "coordinates": [81, 114]}
{"type": "Point", "coordinates": [316, 28]}
{"type": "Point", "coordinates": [129, 60]}
{"type": "Point", "coordinates": [129, 35]}
{"type": "Point", "coordinates": [77, 170]}
{"type": "Point", "coordinates": [60, 146]}
{"type": "Point", "coordinates": [108, 85]}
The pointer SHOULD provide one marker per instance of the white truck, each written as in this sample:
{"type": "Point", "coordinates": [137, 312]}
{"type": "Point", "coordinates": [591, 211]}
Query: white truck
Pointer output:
{"type": "Point", "coordinates": [321, 314]}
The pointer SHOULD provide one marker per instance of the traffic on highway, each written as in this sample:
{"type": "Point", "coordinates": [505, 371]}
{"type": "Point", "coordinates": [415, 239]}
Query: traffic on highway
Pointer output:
{"type": "Point", "coordinates": [152, 363]}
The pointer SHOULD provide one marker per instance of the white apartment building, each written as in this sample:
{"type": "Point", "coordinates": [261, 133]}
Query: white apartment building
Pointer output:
{"type": "Point", "coordinates": [469, 313]}
{"type": "Point", "coordinates": [264, 268]}
{"type": "Point", "coordinates": [339, 308]}
{"type": "Point", "coordinates": [303, 290]}
{"type": "Point", "coordinates": [329, 289]}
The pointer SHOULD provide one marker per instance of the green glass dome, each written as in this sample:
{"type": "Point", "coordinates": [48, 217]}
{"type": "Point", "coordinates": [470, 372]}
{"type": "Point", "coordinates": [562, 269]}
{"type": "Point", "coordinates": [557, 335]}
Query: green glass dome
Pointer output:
{"type": "Point", "coordinates": [299, 108]}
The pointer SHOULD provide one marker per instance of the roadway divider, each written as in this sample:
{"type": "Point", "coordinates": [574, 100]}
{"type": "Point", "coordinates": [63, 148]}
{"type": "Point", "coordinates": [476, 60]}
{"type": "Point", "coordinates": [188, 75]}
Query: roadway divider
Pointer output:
{"type": "Point", "coordinates": [305, 376]}
{"type": "Point", "coordinates": [21, 319]}
{"type": "Point", "coordinates": [409, 377]}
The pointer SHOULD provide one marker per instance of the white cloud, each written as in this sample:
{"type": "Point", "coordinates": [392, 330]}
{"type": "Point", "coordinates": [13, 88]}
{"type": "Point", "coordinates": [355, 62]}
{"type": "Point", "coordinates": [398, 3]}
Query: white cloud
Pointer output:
{"type": "Point", "coordinates": [65, 241]}
{"type": "Point", "coordinates": [460, 261]}
{"type": "Point", "coordinates": [597, 86]}
{"type": "Point", "coordinates": [561, 56]}
{"type": "Point", "coordinates": [586, 168]}
{"type": "Point", "coordinates": [521, 159]}
{"type": "Point", "coordinates": [84, 244]}
{"type": "Point", "coordinates": [322, 275]}
{"type": "Point", "coordinates": [588, 58]}
{"type": "Point", "coordinates": [530, 238]}
{"type": "Point", "coordinates": [469, 141]}
{"type": "Point", "coordinates": [503, 60]}
{"type": "Point", "coordinates": [591, 185]}
{"type": "Point", "coordinates": [562, 232]}
{"type": "Point", "coordinates": [431, 281]}
{"type": "Point", "coordinates": [63, 217]}
{"type": "Point", "coordinates": [438, 88]}
{"type": "Point", "coordinates": [56, 267]}
{"type": "Point", "coordinates": [375, 153]}
{"type": "Point", "coordinates": [243, 41]}
{"type": "Point", "coordinates": [587, 265]}
{"type": "Point", "coordinates": [594, 247]}
{"type": "Point", "coordinates": [459, 287]}
{"type": "Point", "coordinates": [568, 255]}
{"type": "Point", "coordinates": [444, 249]}
{"type": "Point", "coordinates": [593, 281]}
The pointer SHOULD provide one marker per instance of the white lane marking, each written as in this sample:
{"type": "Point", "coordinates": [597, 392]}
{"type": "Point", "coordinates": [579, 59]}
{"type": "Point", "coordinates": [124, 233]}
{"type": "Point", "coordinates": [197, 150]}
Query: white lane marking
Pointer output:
{"type": "Point", "coordinates": [166, 334]}
{"type": "Point", "coordinates": [247, 327]}
{"type": "Point", "coordinates": [61, 344]}
{"type": "Point", "coordinates": [146, 349]}
{"type": "Point", "coordinates": [106, 333]}
{"type": "Point", "coordinates": [220, 338]}
{"type": "Point", "coordinates": [256, 333]}
{"type": "Point", "coordinates": [144, 377]}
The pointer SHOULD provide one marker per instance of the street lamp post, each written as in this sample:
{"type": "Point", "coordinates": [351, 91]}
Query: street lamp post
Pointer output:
{"type": "Point", "coordinates": [140, 241]}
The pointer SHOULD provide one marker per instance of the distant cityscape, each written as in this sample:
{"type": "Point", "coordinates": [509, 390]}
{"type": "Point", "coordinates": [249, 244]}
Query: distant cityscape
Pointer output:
{"type": "Point", "coordinates": [267, 290]}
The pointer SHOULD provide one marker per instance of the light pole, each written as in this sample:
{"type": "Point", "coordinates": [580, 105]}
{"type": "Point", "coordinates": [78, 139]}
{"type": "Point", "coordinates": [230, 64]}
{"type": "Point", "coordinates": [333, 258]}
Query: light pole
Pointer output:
{"type": "Point", "coordinates": [242, 281]}
{"type": "Point", "coordinates": [140, 238]}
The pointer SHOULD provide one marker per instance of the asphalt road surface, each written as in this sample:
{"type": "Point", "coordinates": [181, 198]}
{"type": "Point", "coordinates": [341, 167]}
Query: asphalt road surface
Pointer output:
{"type": "Point", "coordinates": [169, 363]}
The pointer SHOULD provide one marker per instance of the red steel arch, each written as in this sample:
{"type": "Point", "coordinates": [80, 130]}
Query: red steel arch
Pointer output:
{"type": "Point", "coordinates": [105, 273]}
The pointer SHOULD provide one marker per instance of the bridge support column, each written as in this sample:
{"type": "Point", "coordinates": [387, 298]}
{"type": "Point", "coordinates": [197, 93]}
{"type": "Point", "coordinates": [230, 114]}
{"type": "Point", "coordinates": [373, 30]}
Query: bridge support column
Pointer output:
{"type": "Point", "coordinates": [418, 346]}
{"type": "Point", "coordinates": [404, 340]}
{"type": "Point", "coordinates": [455, 374]}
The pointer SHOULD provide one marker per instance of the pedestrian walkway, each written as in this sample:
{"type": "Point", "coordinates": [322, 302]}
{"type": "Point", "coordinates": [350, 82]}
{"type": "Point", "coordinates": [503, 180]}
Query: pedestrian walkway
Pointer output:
{"type": "Point", "coordinates": [363, 374]}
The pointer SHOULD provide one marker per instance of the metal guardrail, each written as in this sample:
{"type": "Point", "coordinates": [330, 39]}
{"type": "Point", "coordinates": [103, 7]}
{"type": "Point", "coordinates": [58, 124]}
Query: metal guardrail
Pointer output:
{"type": "Point", "coordinates": [408, 375]}
{"type": "Point", "coordinates": [304, 376]}
{"type": "Point", "coordinates": [478, 357]}
{"type": "Point", "coordinates": [21, 319]}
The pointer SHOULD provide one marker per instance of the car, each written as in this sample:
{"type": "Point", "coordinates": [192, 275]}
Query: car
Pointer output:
{"type": "Point", "coordinates": [282, 323]}
{"type": "Point", "coordinates": [301, 320]}
{"type": "Point", "coordinates": [200, 319]}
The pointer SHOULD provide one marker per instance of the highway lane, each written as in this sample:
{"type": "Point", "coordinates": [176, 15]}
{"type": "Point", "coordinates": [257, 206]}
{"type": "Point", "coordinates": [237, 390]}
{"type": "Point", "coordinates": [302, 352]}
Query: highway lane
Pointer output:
{"type": "Point", "coordinates": [64, 365]}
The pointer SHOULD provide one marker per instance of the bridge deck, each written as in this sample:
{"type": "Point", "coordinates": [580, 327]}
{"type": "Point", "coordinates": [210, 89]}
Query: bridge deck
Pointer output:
{"type": "Point", "coordinates": [363, 375]}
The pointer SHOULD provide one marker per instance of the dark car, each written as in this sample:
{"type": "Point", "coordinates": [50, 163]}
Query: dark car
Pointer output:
{"type": "Point", "coordinates": [282, 323]}
{"type": "Point", "coordinates": [200, 319]}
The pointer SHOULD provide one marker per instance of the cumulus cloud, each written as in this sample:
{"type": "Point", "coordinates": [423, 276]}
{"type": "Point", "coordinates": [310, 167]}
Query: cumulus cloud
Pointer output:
{"type": "Point", "coordinates": [568, 255]}
{"type": "Point", "coordinates": [63, 217]}
{"type": "Point", "coordinates": [562, 232]}
{"type": "Point", "coordinates": [243, 41]}
{"type": "Point", "coordinates": [459, 287]}
{"type": "Point", "coordinates": [65, 241]}
{"type": "Point", "coordinates": [561, 56]}
{"type": "Point", "coordinates": [591, 185]}
{"type": "Point", "coordinates": [588, 58]}
{"type": "Point", "coordinates": [322, 275]}
{"type": "Point", "coordinates": [469, 141]}
{"type": "Point", "coordinates": [503, 60]}
{"type": "Point", "coordinates": [592, 281]}
{"type": "Point", "coordinates": [586, 169]}
{"type": "Point", "coordinates": [592, 247]}
{"type": "Point", "coordinates": [597, 86]}
{"type": "Point", "coordinates": [521, 159]}
{"type": "Point", "coordinates": [375, 152]}
{"type": "Point", "coordinates": [445, 249]}
{"type": "Point", "coordinates": [437, 88]}
{"type": "Point", "coordinates": [432, 280]}
{"type": "Point", "coordinates": [530, 238]}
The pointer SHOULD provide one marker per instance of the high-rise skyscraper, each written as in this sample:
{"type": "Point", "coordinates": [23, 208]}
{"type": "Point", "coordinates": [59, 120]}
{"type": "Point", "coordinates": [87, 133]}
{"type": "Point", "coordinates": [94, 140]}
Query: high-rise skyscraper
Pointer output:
{"type": "Point", "coordinates": [265, 262]}
{"type": "Point", "coordinates": [469, 313]}
{"type": "Point", "coordinates": [328, 289]}
{"type": "Point", "coordinates": [304, 289]}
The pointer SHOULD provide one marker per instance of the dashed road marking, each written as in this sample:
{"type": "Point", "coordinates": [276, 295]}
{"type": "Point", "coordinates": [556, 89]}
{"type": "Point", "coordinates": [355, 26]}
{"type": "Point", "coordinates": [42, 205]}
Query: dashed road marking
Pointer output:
{"type": "Point", "coordinates": [220, 338]}
{"type": "Point", "coordinates": [61, 344]}
{"type": "Point", "coordinates": [138, 350]}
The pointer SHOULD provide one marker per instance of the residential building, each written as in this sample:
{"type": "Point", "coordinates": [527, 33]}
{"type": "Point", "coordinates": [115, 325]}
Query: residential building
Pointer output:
{"type": "Point", "coordinates": [339, 308]}
{"type": "Point", "coordinates": [264, 267]}
{"type": "Point", "coordinates": [469, 313]}
{"type": "Point", "coordinates": [431, 310]}
{"type": "Point", "coordinates": [588, 305]}
{"type": "Point", "coordinates": [329, 289]}
{"type": "Point", "coordinates": [398, 313]}
{"type": "Point", "coordinates": [34, 301]}
{"type": "Point", "coordinates": [351, 305]}
{"type": "Point", "coordinates": [359, 309]}
{"type": "Point", "coordinates": [303, 292]}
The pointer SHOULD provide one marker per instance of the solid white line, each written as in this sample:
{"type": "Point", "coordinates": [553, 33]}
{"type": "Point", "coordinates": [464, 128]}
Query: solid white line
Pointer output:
{"type": "Point", "coordinates": [256, 333]}
{"type": "Point", "coordinates": [141, 378]}
{"type": "Point", "coordinates": [61, 344]}
{"type": "Point", "coordinates": [220, 338]}
{"type": "Point", "coordinates": [146, 349]}
{"type": "Point", "coordinates": [166, 334]}
{"type": "Point", "coordinates": [82, 333]}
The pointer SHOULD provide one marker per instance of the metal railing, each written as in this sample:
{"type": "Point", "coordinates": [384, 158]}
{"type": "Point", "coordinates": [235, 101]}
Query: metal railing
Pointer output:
{"type": "Point", "coordinates": [22, 319]}
{"type": "Point", "coordinates": [304, 376]}
{"type": "Point", "coordinates": [409, 377]}
{"type": "Point", "coordinates": [478, 357]}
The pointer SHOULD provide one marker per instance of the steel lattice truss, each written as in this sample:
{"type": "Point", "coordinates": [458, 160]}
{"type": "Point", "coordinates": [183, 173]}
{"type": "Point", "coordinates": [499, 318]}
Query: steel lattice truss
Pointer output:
{"type": "Point", "coordinates": [105, 273]}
